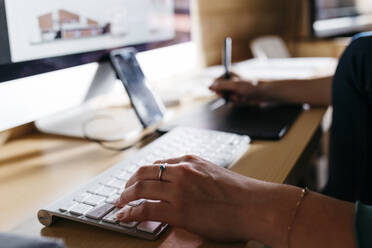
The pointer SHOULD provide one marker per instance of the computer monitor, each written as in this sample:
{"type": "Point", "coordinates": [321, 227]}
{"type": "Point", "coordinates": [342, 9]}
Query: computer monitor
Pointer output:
{"type": "Point", "coordinates": [42, 36]}
{"type": "Point", "coordinates": [341, 17]}
{"type": "Point", "coordinates": [38, 36]}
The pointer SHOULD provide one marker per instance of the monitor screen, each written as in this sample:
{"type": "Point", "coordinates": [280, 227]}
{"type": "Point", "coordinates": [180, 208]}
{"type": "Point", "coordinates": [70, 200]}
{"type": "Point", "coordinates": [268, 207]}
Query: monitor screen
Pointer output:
{"type": "Point", "coordinates": [331, 8]}
{"type": "Point", "coordinates": [40, 36]}
{"type": "Point", "coordinates": [341, 17]}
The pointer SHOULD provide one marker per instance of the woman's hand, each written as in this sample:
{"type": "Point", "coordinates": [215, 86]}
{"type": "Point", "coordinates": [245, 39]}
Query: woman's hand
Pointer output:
{"type": "Point", "coordinates": [206, 199]}
{"type": "Point", "coordinates": [237, 90]}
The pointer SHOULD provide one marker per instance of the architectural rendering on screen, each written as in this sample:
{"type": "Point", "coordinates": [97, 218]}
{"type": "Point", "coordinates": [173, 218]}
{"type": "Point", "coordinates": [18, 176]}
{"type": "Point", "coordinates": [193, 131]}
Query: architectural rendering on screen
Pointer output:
{"type": "Point", "coordinates": [65, 25]}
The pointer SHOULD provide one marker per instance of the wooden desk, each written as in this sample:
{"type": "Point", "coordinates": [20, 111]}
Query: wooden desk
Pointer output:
{"type": "Point", "coordinates": [38, 169]}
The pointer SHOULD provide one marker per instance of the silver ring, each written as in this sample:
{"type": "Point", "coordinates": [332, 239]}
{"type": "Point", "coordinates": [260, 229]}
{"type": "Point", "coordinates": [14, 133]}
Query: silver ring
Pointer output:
{"type": "Point", "coordinates": [161, 170]}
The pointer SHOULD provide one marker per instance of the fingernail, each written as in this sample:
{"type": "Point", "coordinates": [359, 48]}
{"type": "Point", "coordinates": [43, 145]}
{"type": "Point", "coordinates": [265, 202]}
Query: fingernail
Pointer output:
{"type": "Point", "coordinates": [122, 215]}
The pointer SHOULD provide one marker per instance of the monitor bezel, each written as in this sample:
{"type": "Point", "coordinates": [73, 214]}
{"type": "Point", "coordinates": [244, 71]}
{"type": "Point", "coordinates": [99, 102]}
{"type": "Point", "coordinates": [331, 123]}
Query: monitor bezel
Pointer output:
{"type": "Point", "coordinates": [13, 71]}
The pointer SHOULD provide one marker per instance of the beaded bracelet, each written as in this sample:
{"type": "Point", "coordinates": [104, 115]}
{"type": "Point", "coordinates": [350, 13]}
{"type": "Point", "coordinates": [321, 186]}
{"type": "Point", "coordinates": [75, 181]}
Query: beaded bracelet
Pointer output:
{"type": "Point", "coordinates": [304, 193]}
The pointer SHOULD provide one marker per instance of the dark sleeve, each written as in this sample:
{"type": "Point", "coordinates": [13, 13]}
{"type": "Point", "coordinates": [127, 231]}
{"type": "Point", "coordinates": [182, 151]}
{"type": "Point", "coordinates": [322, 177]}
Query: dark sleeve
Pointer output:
{"type": "Point", "coordinates": [363, 225]}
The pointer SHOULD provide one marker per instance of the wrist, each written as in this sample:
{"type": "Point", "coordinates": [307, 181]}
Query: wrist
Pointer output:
{"type": "Point", "coordinates": [283, 202]}
{"type": "Point", "coordinates": [275, 91]}
{"type": "Point", "coordinates": [272, 214]}
{"type": "Point", "coordinates": [263, 89]}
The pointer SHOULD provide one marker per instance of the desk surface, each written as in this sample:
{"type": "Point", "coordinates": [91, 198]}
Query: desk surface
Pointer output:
{"type": "Point", "coordinates": [39, 169]}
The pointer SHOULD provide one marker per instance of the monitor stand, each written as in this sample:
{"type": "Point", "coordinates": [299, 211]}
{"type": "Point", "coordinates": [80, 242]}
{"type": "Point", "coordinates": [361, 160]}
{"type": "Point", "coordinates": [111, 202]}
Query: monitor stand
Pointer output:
{"type": "Point", "coordinates": [93, 118]}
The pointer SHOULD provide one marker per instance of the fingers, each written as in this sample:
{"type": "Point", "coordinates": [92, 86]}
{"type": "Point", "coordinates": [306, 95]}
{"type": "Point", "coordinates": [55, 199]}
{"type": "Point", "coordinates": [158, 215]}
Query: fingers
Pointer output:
{"type": "Point", "coordinates": [147, 211]}
{"type": "Point", "coordinates": [235, 86]}
{"type": "Point", "coordinates": [224, 85]}
{"type": "Point", "coordinates": [174, 161]}
{"type": "Point", "coordinates": [215, 86]}
{"type": "Point", "coordinates": [151, 172]}
{"type": "Point", "coordinates": [154, 190]}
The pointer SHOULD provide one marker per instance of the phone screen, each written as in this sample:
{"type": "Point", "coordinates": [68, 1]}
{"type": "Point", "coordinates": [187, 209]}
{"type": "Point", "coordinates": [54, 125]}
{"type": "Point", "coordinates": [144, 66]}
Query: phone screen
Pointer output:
{"type": "Point", "coordinates": [147, 106]}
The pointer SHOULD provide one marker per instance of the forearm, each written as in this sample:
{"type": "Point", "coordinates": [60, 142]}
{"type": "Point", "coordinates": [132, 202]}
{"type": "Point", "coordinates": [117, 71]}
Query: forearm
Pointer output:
{"type": "Point", "coordinates": [324, 222]}
{"type": "Point", "coordinates": [316, 92]}
{"type": "Point", "coordinates": [320, 221]}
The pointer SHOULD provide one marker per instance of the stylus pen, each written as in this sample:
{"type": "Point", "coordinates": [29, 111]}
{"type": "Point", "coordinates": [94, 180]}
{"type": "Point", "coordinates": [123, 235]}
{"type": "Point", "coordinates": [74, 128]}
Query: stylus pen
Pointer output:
{"type": "Point", "coordinates": [227, 50]}
{"type": "Point", "coordinates": [226, 57]}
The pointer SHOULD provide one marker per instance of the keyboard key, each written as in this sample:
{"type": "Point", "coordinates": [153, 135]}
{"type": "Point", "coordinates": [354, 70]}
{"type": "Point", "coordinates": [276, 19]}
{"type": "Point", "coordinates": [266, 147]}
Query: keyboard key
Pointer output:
{"type": "Point", "coordinates": [140, 162]}
{"type": "Point", "coordinates": [111, 217]}
{"type": "Point", "coordinates": [131, 169]}
{"type": "Point", "coordinates": [105, 180]}
{"type": "Point", "coordinates": [151, 158]}
{"type": "Point", "coordinates": [116, 183]}
{"type": "Point", "coordinates": [67, 206]}
{"type": "Point", "coordinates": [94, 200]}
{"type": "Point", "coordinates": [112, 199]}
{"type": "Point", "coordinates": [80, 198]}
{"type": "Point", "coordinates": [80, 209]}
{"type": "Point", "coordinates": [93, 189]}
{"type": "Point", "coordinates": [100, 211]}
{"type": "Point", "coordinates": [149, 226]}
{"type": "Point", "coordinates": [106, 191]}
{"type": "Point", "coordinates": [128, 224]}
{"type": "Point", "coordinates": [125, 176]}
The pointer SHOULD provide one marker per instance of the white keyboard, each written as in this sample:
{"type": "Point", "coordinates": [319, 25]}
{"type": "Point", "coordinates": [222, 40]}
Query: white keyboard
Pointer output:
{"type": "Point", "coordinates": [94, 203]}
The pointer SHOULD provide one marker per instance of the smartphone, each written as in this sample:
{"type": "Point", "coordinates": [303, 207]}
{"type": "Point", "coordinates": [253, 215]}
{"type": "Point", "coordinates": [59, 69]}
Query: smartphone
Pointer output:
{"type": "Point", "coordinates": [148, 107]}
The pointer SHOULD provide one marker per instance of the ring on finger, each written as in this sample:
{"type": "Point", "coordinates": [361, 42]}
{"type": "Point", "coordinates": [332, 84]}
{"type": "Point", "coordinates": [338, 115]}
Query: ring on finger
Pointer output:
{"type": "Point", "coordinates": [161, 171]}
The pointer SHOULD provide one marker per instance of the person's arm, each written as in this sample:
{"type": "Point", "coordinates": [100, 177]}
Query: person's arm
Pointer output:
{"type": "Point", "coordinates": [324, 222]}
{"type": "Point", "coordinates": [317, 91]}
{"type": "Point", "coordinates": [222, 205]}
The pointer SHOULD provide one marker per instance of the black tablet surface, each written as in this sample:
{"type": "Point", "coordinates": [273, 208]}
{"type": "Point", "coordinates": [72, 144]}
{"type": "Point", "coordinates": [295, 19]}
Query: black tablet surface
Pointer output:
{"type": "Point", "coordinates": [260, 123]}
